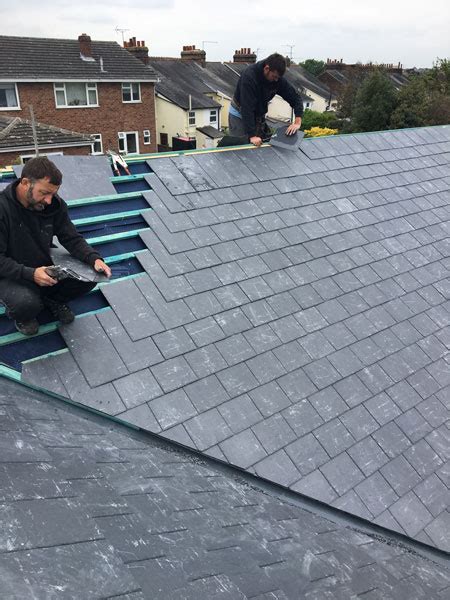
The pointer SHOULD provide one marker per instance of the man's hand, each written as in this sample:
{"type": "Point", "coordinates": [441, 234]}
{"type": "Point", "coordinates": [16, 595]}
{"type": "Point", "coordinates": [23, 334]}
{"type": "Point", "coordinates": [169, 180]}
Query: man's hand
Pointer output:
{"type": "Point", "coordinates": [255, 140]}
{"type": "Point", "coordinates": [293, 128]}
{"type": "Point", "coordinates": [102, 267]}
{"type": "Point", "coordinates": [41, 277]}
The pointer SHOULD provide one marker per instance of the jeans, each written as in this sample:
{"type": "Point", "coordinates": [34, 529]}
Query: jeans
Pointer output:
{"type": "Point", "coordinates": [24, 300]}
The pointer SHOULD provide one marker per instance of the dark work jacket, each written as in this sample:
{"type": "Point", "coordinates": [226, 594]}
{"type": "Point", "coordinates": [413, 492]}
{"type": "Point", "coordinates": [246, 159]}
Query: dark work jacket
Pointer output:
{"type": "Point", "coordinates": [253, 94]}
{"type": "Point", "coordinates": [26, 236]}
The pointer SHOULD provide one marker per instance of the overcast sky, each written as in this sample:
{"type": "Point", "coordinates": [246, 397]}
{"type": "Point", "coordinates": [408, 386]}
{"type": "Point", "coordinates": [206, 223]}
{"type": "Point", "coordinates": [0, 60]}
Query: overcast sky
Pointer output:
{"type": "Point", "coordinates": [414, 32]}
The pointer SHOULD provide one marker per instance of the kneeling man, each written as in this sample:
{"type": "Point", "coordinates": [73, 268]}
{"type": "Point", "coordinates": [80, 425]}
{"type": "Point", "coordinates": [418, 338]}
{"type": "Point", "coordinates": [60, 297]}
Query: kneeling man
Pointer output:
{"type": "Point", "coordinates": [31, 213]}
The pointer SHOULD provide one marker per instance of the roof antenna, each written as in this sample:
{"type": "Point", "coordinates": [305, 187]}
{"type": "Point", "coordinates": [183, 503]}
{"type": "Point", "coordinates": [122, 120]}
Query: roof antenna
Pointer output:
{"type": "Point", "coordinates": [208, 42]}
{"type": "Point", "coordinates": [122, 31]}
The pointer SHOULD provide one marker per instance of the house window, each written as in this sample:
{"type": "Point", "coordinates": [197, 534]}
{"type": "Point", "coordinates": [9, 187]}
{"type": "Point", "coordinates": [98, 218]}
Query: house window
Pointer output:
{"type": "Point", "coordinates": [308, 104]}
{"type": "Point", "coordinates": [213, 117]}
{"type": "Point", "coordinates": [98, 144]}
{"type": "Point", "coordinates": [131, 92]}
{"type": "Point", "coordinates": [26, 157]}
{"type": "Point", "coordinates": [191, 117]}
{"type": "Point", "coordinates": [76, 94]}
{"type": "Point", "coordinates": [9, 97]}
{"type": "Point", "coordinates": [164, 137]}
{"type": "Point", "coordinates": [147, 136]}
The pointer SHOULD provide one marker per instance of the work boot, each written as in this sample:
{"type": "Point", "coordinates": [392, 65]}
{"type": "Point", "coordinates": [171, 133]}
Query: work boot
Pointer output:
{"type": "Point", "coordinates": [30, 327]}
{"type": "Point", "coordinates": [60, 312]}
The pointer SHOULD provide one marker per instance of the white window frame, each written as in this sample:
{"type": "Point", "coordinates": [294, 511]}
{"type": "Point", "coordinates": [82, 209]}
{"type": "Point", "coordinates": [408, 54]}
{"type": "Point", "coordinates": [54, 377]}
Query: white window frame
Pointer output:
{"type": "Point", "coordinates": [191, 118]}
{"type": "Point", "coordinates": [25, 157]}
{"type": "Point", "coordinates": [17, 97]}
{"type": "Point", "coordinates": [147, 137]}
{"type": "Point", "coordinates": [130, 86]}
{"type": "Point", "coordinates": [98, 140]}
{"type": "Point", "coordinates": [214, 112]}
{"type": "Point", "coordinates": [122, 135]}
{"type": "Point", "coordinates": [61, 87]}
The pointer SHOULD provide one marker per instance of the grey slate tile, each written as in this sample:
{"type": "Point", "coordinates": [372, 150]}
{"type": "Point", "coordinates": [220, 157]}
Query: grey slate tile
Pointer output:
{"type": "Point", "coordinates": [351, 503]}
{"type": "Point", "coordinates": [437, 530]}
{"type": "Point", "coordinates": [273, 433]}
{"type": "Point", "coordinates": [342, 473]}
{"type": "Point", "coordinates": [205, 331]}
{"type": "Point", "coordinates": [233, 321]}
{"type": "Point", "coordinates": [173, 342]}
{"type": "Point", "coordinates": [328, 403]}
{"type": "Point", "coordinates": [376, 493]}
{"type": "Point", "coordinates": [307, 454]}
{"type": "Point", "coordinates": [316, 486]}
{"type": "Point", "coordinates": [240, 413]}
{"type": "Point", "coordinates": [368, 456]}
{"type": "Point", "coordinates": [172, 409]}
{"type": "Point", "coordinates": [382, 408]}
{"type": "Point", "coordinates": [237, 379]}
{"type": "Point", "coordinates": [400, 475]}
{"type": "Point", "coordinates": [207, 429]}
{"type": "Point", "coordinates": [141, 322]}
{"type": "Point", "coordinates": [269, 399]}
{"type": "Point", "coordinates": [137, 388]}
{"type": "Point", "coordinates": [297, 385]}
{"type": "Point", "coordinates": [243, 449]}
{"type": "Point", "coordinates": [136, 355]}
{"type": "Point", "coordinates": [334, 437]}
{"type": "Point", "coordinates": [302, 417]}
{"type": "Point", "coordinates": [433, 493]}
{"type": "Point", "coordinates": [173, 373]}
{"type": "Point", "coordinates": [359, 422]}
{"type": "Point", "coordinates": [411, 514]}
{"type": "Point", "coordinates": [206, 393]}
{"type": "Point", "coordinates": [205, 361]}
{"type": "Point", "coordinates": [265, 367]}
{"type": "Point", "coordinates": [235, 349]}
{"type": "Point", "coordinates": [423, 458]}
{"type": "Point", "coordinates": [142, 417]}
{"type": "Point", "coordinates": [279, 468]}
{"type": "Point", "coordinates": [86, 337]}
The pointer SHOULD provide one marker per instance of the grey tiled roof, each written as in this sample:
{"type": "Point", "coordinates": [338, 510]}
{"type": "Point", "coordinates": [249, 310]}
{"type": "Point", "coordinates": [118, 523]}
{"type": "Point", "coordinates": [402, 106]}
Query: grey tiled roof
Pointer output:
{"type": "Point", "coordinates": [18, 133]}
{"type": "Point", "coordinates": [91, 509]}
{"type": "Point", "coordinates": [48, 59]}
{"type": "Point", "coordinates": [293, 321]}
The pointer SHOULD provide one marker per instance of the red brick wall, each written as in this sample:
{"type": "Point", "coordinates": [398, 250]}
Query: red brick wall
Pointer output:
{"type": "Point", "coordinates": [10, 158]}
{"type": "Point", "coordinates": [111, 116]}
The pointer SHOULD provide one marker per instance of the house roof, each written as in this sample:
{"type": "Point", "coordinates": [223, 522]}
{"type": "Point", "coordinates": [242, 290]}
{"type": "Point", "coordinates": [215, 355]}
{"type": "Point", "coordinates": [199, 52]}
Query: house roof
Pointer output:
{"type": "Point", "coordinates": [182, 82]}
{"type": "Point", "coordinates": [89, 505]}
{"type": "Point", "coordinates": [48, 59]}
{"type": "Point", "coordinates": [210, 131]}
{"type": "Point", "coordinates": [341, 77]}
{"type": "Point", "coordinates": [18, 133]}
{"type": "Point", "coordinates": [295, 316]}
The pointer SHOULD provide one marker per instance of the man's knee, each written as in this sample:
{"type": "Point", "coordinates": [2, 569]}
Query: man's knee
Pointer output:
{"type": "Point", "coordinates": [24, 305]}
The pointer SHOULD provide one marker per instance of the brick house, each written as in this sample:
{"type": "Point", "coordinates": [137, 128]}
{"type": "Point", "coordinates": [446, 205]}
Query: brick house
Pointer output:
{"type": "Point", "coordinates": [91, 87]}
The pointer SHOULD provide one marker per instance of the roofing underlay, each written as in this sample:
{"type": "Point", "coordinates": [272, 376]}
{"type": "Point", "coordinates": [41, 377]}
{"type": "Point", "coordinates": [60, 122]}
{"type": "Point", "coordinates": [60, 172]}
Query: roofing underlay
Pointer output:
{"type": "Point", "coordinates": [292, 321]}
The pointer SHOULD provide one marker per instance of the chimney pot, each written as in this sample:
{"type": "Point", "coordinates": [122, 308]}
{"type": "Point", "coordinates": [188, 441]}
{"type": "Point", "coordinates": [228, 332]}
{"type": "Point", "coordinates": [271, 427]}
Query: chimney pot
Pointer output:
{"type": "Point", "coordinates": [244, 55]}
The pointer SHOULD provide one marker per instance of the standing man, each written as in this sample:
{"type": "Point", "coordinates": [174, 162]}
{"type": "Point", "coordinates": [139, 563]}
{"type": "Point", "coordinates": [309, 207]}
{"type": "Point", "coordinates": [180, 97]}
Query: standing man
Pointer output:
{"type": "Point", "coordinates": [31, 213]}
{"type": "Point", "coordinates": [256, 87]}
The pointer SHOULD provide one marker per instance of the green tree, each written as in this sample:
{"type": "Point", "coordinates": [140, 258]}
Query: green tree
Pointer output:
{"type": "Point", "coordinates": [313, 118]}
{"type": "Point", "coordinates": [375, 102]}
{"type": "Point", "coordinates": [425, 99]}
{"type": "Point", "coordinates": [313, 66]}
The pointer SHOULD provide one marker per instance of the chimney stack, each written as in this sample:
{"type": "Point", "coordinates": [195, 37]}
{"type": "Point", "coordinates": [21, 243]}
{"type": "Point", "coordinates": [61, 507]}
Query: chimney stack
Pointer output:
{"type": "Point", "coordinates": [85, 46]}
{"type": "Point", "coordinates": [244, 55]}
{"type": "Point", "coordinates": [193, 53]}
{"type": "Point", "coordinates": [137, 49]}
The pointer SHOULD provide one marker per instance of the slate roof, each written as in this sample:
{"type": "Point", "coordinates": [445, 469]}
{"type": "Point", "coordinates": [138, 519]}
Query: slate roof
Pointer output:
{"type": "Point", "coordinates": [397, 79]}
{"type": "Point", "coordinates": [18, 133]}
{"type": "Point", "coordinates": [293, 321]}
{"type": "Point", "coordinates": [91, 509]}
{"type": "Point", "coordinates": [45, 59]}
{"type": "Point", "coordinates": [180, 79]}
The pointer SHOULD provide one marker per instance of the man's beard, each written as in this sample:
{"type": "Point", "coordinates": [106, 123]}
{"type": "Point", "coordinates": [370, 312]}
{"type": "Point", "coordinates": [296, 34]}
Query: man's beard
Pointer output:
{"type": "Point", "coordinates": [31, 202]}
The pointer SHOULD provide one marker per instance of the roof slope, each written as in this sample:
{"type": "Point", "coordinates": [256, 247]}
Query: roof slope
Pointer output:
{"type": "Point", "coordinates": [88, 508]}
{"type": "Point", "coordinates": [18, 133]}
{"type": "Point", "coordinates": [293, 321]}
{"type": "Point", "coordinates": [181, 79]}
{"type": "Point", "coordinates": [29, 59]}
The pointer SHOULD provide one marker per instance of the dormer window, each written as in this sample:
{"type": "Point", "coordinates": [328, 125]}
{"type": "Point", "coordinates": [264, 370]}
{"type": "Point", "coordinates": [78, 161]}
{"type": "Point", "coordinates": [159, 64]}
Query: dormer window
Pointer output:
{"type": "Point", "coordinates": [9, 98]}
